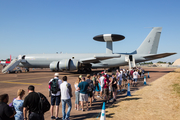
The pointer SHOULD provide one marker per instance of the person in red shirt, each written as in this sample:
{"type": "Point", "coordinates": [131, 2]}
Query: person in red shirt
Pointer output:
{"type": "Point", "coordinates": [131, 76]}
{"type": "Point", "coordinates": [106, 88]}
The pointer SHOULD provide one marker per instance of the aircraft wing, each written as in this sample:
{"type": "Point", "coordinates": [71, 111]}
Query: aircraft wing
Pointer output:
{"type": "Point", "coordinates": [97, 59]}
{"type": "Point", "coordinates": [156, 56]}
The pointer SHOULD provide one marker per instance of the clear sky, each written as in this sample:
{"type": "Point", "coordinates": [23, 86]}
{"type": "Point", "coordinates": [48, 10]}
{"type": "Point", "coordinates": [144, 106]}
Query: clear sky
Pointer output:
{"type": "Point", "coordinates": [68, 26]}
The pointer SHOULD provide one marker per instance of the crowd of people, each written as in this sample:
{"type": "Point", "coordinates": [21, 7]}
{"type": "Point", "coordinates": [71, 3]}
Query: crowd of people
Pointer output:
{"type": "Point", "coordinates": [87, 90]}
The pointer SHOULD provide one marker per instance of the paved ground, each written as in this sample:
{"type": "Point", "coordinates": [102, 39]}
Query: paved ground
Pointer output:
{"type": "Point", "coordinates": [10, 83]}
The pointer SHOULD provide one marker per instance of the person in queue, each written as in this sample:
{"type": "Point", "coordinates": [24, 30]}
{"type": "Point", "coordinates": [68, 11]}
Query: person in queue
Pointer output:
{"type": "Point", "coordinates": [31, 103]}
{"type": "Point", "coordinates": [106, 88]}
{"type": "Point", "coordinates": [18, 105]}
{"type": "Point", "coordinates": [83, 86]}
{"type": "Point", "coordinates": [6, 112]}
{"type": "Point", "coordinates": [55, 95]}
{"type": "Point", "coordinates": [114, 86]}
{"type": "Point", "coordinates": [91, 88]}
{"type": "Point", "coordinates": [77, 92]}
{"type": "Point", "coordinates": [101, 79]}
{"type": "Point", "coordinates": [66, 94]}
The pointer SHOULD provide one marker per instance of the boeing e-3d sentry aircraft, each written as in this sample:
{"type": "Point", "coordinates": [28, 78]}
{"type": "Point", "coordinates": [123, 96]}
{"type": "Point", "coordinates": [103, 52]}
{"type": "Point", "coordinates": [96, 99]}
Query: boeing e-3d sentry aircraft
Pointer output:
{"type": "Point", "coordinates": [85, 62]}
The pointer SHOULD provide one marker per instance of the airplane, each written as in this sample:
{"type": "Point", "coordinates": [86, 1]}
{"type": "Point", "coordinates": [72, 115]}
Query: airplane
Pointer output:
{"type": "Point", "coordinates": [85, 62]}
{"type": "Point", "coordinates": [6, 62]}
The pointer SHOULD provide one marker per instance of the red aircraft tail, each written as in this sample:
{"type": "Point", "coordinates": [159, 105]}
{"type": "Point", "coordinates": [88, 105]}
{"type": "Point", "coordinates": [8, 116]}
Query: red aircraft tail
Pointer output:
{"type": "Point", "coordinates": [7, 62]}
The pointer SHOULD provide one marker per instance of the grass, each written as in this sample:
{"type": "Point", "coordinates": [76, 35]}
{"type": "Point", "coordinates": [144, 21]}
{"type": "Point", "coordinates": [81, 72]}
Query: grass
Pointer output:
{"type": "Point", "coordinates": [176, 88]}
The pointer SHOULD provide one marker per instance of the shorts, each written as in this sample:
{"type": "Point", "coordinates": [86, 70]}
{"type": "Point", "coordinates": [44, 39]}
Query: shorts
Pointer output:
{"type": "Point", "coordinates": [83, 97]}
{"type": "Point", "coordinates": [90, 94]}
{"type": "Point", "coordinates": [135, 79]}
{"type": "Point", "coordinates": [119, 82]}
{"type": "Point", "coordinates": [114, 89]}
{"type": "Point", "coordinates": [77, 97]}
{"type": "Point", "coordinates": [55, 99]}
{"type": "Point", "coordinates": [106, 92]}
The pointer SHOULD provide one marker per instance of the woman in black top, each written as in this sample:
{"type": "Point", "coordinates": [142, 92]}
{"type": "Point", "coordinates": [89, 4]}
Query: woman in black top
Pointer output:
{"type": "Point", "coordinates": [114, 86]}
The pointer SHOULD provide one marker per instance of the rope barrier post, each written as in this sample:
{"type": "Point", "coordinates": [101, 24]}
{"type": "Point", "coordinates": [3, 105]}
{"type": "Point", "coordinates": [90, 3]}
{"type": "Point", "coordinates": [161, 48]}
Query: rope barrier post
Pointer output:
{"type": "Point", "coordinates": [103, 116]}
{"type": "Point", "coordinates": [144, 80]}
{"type": "Point", "coordinates": [128, 91]}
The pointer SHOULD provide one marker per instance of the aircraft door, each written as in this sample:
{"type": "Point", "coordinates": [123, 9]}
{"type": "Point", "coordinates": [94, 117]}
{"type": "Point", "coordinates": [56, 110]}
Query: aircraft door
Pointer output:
{"type": "Point", "coordinates": [131, 58]}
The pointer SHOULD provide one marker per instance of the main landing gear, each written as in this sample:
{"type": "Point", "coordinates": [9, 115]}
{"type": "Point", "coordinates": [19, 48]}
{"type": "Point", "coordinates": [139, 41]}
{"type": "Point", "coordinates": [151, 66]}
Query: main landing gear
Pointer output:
{"type": "Point", "coordinates": [84, 70]}
{"type": "Point", "coordinates": [26, 69]}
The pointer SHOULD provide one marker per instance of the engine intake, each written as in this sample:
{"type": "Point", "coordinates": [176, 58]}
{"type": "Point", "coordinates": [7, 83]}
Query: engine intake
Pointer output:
{"type": "Point", "coordinates": [65, 64]}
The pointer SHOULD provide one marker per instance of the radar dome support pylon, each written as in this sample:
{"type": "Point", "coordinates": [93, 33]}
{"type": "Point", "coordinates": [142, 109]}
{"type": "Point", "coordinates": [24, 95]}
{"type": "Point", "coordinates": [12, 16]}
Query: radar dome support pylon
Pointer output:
{"type": "Point", "coordinates": [108, 38]}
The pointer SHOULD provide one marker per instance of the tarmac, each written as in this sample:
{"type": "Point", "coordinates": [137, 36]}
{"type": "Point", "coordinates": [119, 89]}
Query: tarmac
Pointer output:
{"type": "Point", "coordinates": [10, 83]}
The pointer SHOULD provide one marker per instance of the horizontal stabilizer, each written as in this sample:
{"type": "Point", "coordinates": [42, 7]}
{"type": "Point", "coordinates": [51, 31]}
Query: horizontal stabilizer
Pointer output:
{"type": "Point", "coordinates": [97, 59]}
{"type": "Point", "coordinates": [156, 56]}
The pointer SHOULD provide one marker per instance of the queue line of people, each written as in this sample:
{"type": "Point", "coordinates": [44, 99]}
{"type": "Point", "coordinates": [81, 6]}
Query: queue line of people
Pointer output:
{"type": "Point", "coordinates": [101, 85]}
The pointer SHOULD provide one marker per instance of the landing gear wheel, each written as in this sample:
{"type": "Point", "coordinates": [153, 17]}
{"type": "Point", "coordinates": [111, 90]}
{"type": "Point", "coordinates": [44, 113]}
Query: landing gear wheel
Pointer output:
{"type": "Point", "coordinates": [84, 70]}
{"type": "Point", "coordinates": [27, 70]}
{"type": "Point", "coordinates": [89, 70]}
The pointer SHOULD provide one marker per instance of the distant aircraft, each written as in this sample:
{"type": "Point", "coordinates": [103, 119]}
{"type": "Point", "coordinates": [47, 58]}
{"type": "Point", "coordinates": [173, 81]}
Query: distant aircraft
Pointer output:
{"type": "Point", "coordinates": [85, 62]}
{"type": "Point", "coordinates": [5, 62]}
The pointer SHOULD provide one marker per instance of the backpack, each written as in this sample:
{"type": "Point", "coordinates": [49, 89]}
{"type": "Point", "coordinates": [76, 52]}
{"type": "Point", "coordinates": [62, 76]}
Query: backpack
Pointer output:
{"type": "Point", "coordinates": [54, 86]}
{"type": "Point", "coordinates": [91, 87]}
{"type": "Point", "coordinates": [44, 104]}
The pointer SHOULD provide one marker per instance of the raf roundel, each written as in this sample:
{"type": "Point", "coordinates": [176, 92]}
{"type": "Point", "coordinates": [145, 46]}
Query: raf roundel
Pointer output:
{"type": "Point", "coordinates": [108, 37]}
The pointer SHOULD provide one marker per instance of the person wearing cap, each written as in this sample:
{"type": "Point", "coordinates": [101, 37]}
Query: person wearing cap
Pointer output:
{"type": "Point", "coordinates": [106, 74]}
{"type": "Point", "coordinates": [101, 80]}
{"type": "Point", "coordinates": [80, 76]}
{"type": "Point", "coordinates": [106, 88]}
{"type": "Point", "coordinates": [55, 97]}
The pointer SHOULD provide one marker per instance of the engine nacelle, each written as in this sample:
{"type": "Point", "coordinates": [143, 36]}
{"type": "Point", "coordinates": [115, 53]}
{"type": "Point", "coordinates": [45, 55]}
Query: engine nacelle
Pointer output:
{"type": "Point", "coordinates": [54, 66]}
{"type": "Point", "coordinates": [65, 64]}
{"type": "Point", "coordinates": [74, 65]}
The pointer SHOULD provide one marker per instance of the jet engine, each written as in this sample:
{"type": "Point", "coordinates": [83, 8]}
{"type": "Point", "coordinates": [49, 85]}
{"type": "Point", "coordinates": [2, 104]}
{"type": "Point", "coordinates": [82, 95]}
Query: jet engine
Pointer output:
{"type": "Point", "coordinates": [64, 65]}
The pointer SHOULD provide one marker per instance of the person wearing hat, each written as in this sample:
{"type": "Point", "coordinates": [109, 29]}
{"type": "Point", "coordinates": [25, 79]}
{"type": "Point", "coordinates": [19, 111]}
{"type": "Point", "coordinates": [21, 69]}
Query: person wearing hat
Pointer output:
{"type": "Point", "coordinates": [101, 80]}
{"type": "Point", "coordinates": [54, 85]}
{"type": "Point", "coordinates": [106, 88]}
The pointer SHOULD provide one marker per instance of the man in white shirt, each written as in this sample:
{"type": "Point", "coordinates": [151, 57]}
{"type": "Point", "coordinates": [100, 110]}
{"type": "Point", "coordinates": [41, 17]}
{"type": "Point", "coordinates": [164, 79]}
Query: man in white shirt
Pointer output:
{"type": "Point", "coordinates": [66, 94]}
{"type": "Point", "coordinates": [135, 77]}
{"type": "Point", "coordinates": [54, 87]}
{"type": "Point", "coordinates": [119, 80]}
{"type": "Point", "coordinates": [102, 85]}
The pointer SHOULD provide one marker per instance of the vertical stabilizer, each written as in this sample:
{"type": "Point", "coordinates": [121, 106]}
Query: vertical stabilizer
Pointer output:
{"type": "Point", "coordinates": [150, 44]}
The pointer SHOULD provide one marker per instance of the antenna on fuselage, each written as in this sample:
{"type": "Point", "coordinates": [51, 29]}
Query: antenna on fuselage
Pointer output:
{"type": "Point", "coordinates": [109, 38]}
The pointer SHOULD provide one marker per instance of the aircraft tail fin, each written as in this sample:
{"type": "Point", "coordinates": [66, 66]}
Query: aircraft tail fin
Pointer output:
{"type": "Point", "coordinates": [151, 42]}
{"type": "Point", "coordinates": [9, 60]}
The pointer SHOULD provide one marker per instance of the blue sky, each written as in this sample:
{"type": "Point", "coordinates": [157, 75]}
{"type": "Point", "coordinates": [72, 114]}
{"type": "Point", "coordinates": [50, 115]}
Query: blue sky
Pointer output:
{"type": "Point", "coordinates": [68, 26]}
